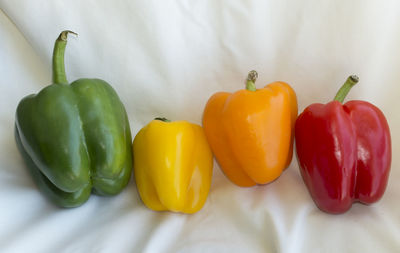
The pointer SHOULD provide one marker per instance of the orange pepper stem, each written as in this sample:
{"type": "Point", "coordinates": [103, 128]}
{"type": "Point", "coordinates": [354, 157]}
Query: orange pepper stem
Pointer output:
{"type": "Point", "coordinates": [251, 80]}
{"type": "Point", "coordinates": [162, 119]}
{"type": "Point", "coordinates": [344, 90]}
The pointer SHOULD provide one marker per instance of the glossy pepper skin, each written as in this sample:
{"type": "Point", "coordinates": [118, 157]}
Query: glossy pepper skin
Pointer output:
{"type": "Point", "coordinates": [173, 166]}
{"type": "Point", "coordinates": [344, 152]}
{"type": "Point", "coordinates": [251, 131]}
{"type": "Point", "coordinates": [75, 138]}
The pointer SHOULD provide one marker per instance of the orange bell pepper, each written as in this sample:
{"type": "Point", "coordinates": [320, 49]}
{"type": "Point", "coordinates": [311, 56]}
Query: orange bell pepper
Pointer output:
{"type": "Point", "coordinates": [251, 131]}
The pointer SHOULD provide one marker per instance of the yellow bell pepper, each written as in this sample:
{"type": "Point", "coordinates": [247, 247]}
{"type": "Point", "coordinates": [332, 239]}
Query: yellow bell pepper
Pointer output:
{"type": "Point", "coordinates": [173, 166]}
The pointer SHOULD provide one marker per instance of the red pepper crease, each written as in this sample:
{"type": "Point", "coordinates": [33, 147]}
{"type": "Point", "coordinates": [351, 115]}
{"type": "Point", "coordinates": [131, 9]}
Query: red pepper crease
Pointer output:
{"type": "Point", "coordinates": [344, 152]}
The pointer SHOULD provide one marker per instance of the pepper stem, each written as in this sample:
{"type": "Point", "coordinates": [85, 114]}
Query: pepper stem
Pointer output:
{"type": "Point", "coordinates": [251, 79]}
{"type": "Point", "coordinates": [58, 58]}
{"type": "Point", "coordinates": [162, 119]}
{"type": "Point", "coordinates": [344, 90]}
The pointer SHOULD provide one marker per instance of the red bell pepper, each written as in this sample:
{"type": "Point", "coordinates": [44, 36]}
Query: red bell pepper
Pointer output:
{"type": "Point", "coordinates": [344, 151]}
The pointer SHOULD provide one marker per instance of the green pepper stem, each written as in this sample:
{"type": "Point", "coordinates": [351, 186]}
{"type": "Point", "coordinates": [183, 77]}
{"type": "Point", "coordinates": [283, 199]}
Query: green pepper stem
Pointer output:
{"type": "Point", "coordinates": [251, 79]}
{"type": "Point", "coordinates": [344, 90]}
{"type": "Point", "coordinates": [162, 119]}
{"type": "Point", "coordinates": [58, 58]}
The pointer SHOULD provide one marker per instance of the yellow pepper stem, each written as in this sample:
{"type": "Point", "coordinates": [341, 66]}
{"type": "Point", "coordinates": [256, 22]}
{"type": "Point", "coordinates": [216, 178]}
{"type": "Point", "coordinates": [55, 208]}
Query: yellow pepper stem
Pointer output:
{"type": "Point", "coordinates": [162, 119]}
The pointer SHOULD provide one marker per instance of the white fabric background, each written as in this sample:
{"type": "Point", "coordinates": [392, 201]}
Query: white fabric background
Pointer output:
{"type": "Point", "coordinates": [166, 58]}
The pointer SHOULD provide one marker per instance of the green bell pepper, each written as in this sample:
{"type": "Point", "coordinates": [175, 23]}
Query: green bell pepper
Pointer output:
{"type": "Point", "coordinates": [74, 138]}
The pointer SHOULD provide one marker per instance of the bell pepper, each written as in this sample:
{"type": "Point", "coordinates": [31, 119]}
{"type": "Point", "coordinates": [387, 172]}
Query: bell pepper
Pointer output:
{"type": "Point", "coordinates": [74, 138]}
{"type": "Point", "coordinates": [251, 131]}
{"type": "Point", "coordinates": [173, 166]}
{"type": "Point", "coordinates": [344, 151]}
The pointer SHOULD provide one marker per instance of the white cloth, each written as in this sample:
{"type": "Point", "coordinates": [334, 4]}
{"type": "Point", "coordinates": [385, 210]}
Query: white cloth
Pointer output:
{"type": "Point", "coordinates": [166, 58]}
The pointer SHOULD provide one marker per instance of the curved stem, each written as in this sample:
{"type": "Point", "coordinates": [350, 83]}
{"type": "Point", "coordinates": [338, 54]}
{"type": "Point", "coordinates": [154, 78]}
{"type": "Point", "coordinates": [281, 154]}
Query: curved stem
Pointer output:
{"type": "Point", "coordinates": [344, 90]}
{"type": "Point", "coordinates": [58, 58]}
{"type": "Point", "coordinates": [162, 119]}
{"type": "Point", "coordinates": [251, 79]}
